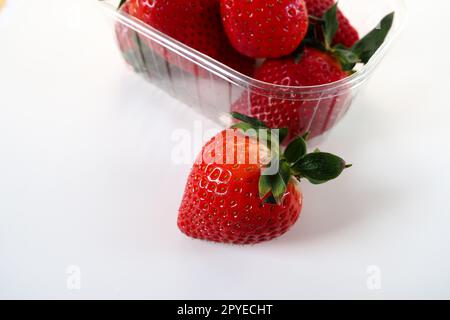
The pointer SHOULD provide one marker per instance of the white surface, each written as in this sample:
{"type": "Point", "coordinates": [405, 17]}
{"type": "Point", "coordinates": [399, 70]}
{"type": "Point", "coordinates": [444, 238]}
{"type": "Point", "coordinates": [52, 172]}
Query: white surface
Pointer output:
{"type": "Point", "coordinates": [86, 176]}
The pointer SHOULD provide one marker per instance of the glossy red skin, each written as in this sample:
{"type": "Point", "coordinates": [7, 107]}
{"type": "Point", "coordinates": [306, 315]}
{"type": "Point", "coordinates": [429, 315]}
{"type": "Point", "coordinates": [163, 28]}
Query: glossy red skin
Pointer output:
{"type": "Point", "coordinates": [346, 34]}
{"type": "Point", "coordinates": [221, 201]}
{"type": "Point", "coordinates": [265, 28]}
{"type": "Point", "coordinates": [195, 23]}
{"type": "Point", "coordinates": [314, 114]}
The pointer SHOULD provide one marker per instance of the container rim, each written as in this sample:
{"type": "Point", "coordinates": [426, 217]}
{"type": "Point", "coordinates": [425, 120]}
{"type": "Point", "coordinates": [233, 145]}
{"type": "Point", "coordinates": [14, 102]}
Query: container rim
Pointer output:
{"type": "Point", "coordinates": [229, 74]}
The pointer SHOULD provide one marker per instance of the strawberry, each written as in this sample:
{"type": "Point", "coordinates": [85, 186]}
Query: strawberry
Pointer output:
{"type": "Point", "coordinates": [315, 67]}
{"type": "Point", "coordinates": [265, 29]}
{"type": "Point", "coordinates": [231, 198]}
{"type": "Point", "coordinates": [195, 23]}
{"type": "Point", "coordinates": [316, 63]}
{"type": "Point", "coordinates": [346, 34]}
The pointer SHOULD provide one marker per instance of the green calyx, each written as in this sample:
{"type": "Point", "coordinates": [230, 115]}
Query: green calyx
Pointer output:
{"type": "Point", "coordinates": [121, 3]}
{"type": "Point", "coordinates": [361, 52]}
{"type": "Point", "coordinates": [248, 123]}
{"type": "Point", "coordinates": [293, 161]}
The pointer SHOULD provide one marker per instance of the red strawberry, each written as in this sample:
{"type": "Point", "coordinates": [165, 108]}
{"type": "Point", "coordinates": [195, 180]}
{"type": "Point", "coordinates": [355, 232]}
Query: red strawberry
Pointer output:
{"type": "Point", "coordinates": [346, 34]}
{"type": "Point", "coordinates": [299, 115]}
{"type": "Point", "coordinates": [233, 202]}
{"type": "Point", "coordinates": [265, 29]}
{"type": "Point", "coordinates": [315, 111]}
{"type": "Point", "coordinates": [196, 23]}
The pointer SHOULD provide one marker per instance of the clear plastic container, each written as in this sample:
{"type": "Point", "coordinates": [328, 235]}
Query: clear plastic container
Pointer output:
{"type": "Point", "coordinates": [214, 89]}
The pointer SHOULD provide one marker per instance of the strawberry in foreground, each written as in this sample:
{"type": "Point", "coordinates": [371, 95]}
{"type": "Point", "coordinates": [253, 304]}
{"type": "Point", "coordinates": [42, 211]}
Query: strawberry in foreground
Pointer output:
{"type": "Point", "coordinates": [317, 62]}
{"type": "Point", "coordinates": [346, 34]}
{"type": "Point", "coordinates": [229, 199]}
{"type": "Point", "coordinates": [195, 23]}
{"type": "Point", "coordinates": [265, 29]}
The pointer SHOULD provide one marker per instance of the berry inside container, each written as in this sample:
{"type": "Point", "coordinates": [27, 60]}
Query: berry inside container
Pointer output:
{"type": "Point", "coordinates": [214, 87]}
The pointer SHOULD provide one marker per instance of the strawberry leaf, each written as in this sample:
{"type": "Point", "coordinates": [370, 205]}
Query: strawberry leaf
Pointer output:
{"type": "Point", "coordinates": [295, 150]}
{"type": "Point", "coordinates": [320, 167]}
{"type": "Point", "coordinates": [367, 46]}
{"type": "Point", "coordinates": [252, 121]}
{"type": "Point", "coordinates": [242, 126]}
{"type": "Point", "coordinates": [331, 25]}
{"type": "Point", "coordinates": [347, 57]}
{"type": "Point", "coordinates": [282, 134]}
{"type": "Point", "coordinates": [314, 18]}
{"type": "Point", "coordinates": [270, 200]}
{"type": "Point", "coordinates": [141, 50]}
{"type": "Point", "coordinates": [122, 2]}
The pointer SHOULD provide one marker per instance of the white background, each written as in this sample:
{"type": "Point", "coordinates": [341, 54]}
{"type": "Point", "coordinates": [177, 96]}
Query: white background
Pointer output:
{"type": "Point", "coordinates": [86, 176]}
